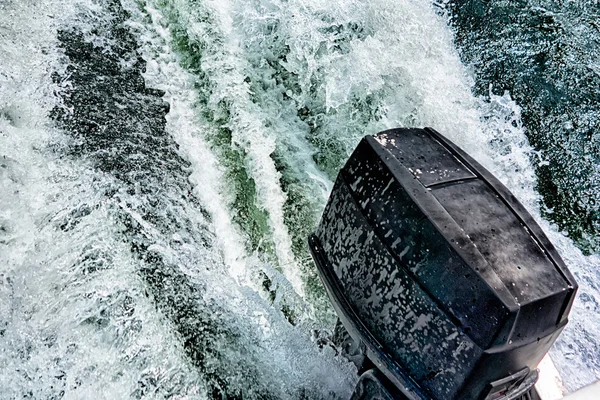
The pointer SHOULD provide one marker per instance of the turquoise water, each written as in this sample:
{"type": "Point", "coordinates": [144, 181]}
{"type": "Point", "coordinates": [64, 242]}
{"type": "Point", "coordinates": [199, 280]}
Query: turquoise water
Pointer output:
{"type": "Point", "coordinates": [163, 161]}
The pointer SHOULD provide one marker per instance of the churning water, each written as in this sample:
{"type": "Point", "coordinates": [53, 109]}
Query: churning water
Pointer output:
{"type": "Point", "coordinates": [163, 161]}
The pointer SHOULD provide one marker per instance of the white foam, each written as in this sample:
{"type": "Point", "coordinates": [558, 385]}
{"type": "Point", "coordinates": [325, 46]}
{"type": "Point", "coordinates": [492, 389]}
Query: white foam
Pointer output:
{"type": "Point", "coordinates": [189, 131]}
{"type": "Point", "coordinates": [282, 347]}
{"type": "Point", "coordinates": [50, 342]}
{"type": "Point", "coordinates": [225, 68]}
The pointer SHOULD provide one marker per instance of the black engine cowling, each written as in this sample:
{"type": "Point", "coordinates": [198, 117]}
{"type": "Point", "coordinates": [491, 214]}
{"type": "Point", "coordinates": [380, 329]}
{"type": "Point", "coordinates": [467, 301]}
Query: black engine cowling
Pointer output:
{"type": "Point", "coordinates": [438, 271]}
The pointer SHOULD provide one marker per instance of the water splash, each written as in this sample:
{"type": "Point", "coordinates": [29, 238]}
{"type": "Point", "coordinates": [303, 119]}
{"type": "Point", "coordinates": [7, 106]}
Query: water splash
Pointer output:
{"type": "Point", "coordinates": [140, 269]}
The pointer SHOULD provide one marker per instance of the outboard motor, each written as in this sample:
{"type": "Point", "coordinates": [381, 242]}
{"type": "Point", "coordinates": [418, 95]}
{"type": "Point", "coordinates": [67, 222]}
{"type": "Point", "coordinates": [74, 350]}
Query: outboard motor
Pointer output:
{"type": "Point", "coordinates": [447, 287]}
